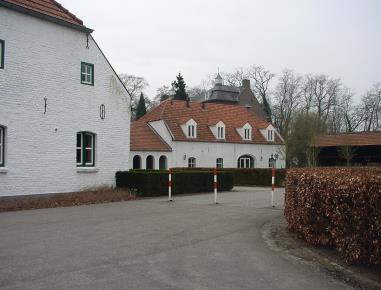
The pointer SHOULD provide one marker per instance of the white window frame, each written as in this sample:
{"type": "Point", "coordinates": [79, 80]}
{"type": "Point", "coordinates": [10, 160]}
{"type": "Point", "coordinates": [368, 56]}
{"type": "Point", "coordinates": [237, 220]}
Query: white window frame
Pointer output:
{"type": "Point", "coordinates": [2, 146]}
{"type": "Point", "coordinates": [87, 71]}
{"type": "Point", "coordinates": [270, 135]}
{"type": "Point", "coordinates": [220, 132]}
{"type": "Point", "coordinates": [245, 162]}
{"type": "Point", "coordinates": [247, 132]}
{"type": "Point", "coordinates": [2, 54]}
{"type": "Point", "coordinates": [192, 162]}
{"type": "Point", "coordinates": [191, 131]}
{"type": "Point", "coordinates": [219, 163]}
{"type": "Point", "coordinates": [83, 150]}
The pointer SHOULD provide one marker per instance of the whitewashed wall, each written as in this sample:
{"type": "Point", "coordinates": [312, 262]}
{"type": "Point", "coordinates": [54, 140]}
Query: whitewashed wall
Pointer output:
{"type": "Point", "coordinates": [156, 155]}
{"type": "Point", "coordinates": [43, 59]}
{"type": "Point", "coordinates": [207, 153]}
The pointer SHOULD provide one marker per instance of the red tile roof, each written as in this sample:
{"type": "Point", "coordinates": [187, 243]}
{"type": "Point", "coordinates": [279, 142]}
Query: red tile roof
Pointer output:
{"type": "Point", "coordinates": [143, 138]}
{"type": "Point", "coordinates": [345, 139]}
{"type": "Point", "coordinates": [48, 7]}
{"type": "Point", "coordinates": [176, 113]}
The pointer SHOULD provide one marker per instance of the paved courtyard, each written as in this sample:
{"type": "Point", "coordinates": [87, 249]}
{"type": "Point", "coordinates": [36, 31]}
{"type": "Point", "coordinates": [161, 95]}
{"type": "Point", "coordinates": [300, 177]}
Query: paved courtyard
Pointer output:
{"type": "Point", "coordinates": [153, 244]}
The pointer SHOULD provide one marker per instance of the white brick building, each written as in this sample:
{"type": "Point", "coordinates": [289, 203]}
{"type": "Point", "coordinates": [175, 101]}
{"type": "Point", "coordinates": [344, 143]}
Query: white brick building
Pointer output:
{"type": "Point", "coordinates": [64, 114]}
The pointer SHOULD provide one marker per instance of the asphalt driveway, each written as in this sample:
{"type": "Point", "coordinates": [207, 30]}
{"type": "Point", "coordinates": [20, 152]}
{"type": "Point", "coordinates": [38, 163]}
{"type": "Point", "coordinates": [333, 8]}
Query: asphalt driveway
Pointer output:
{"type": "Point", "coordinates": [153, 244]}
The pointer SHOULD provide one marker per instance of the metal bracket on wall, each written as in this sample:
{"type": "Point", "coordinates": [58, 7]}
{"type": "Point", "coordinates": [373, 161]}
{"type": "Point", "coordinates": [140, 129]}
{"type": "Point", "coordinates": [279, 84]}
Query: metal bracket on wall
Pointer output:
{"type": "Point", "coordinates": [45, 104]}
{"type": "Point", "coordinates": [102, 111]}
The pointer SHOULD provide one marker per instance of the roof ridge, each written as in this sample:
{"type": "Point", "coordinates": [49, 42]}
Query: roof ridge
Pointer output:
{"type": "Point", "coordinates": [346, 133]}
{"type": "Point", "coordinates": [162, 111]}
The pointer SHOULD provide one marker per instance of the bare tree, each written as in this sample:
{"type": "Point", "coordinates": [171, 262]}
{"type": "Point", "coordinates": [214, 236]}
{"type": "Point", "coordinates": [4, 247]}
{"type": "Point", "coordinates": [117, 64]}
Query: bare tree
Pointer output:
{"type": "Point", "coordinates": [235, 78]}
{"type": "Point", "coordinates": [352, 114]}
{"type": "Point", "coordinates": [371, 108]}
{"type": "Point", "coordinates": [321, 95]}
{"type": "Point", "coordinates": [262, 78]}
{"type": "Point", "coordinates": [162, 94]}
{"type": "Point", "coordinates": [197, 93]}
{"type": "Point", "coordinates": [135, 85]}
{"type": "Point", "coordinates": [286, 100]}
{"type": "Point", "coordinates": [307, 92]}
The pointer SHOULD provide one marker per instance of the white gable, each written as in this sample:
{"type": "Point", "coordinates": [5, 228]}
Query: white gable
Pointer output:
{"type": "Point", "coordinates": [269, 133]}
{"type": "Point", "coordinates": [220, 126]}
{"type": "Point", "coordinates": [188, 132]}
{"type": "Point", "coordinates": [241, 131]}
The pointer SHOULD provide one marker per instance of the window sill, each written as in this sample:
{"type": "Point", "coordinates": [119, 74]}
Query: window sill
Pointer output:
{"type": "Point", "coordinates": [3, 170]}
{"type": "Point", "coordinates": [87, 169]}
{"type": "Point", "coordinates": [87, 84]}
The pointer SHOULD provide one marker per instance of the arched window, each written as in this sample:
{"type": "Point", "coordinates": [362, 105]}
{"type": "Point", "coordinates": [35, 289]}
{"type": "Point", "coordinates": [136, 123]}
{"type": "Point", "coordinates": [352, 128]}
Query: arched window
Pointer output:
{"type": "Point", "coordinates": [220, 163]}
{"type": "Point", "coordinates": [2, 146]}
{"type": "Point", "coordinates": [85, 149]}
{"type": "Point", "coordinates": [163, 162]}
{"type": "Point", "coordinates": [137, 162]}
{"type": "Point", "coordinates": [192, 162]}
{"type": "Point", "coordinates": [246, 161]}
{"type": "Point", "coordinates": [150, 162]}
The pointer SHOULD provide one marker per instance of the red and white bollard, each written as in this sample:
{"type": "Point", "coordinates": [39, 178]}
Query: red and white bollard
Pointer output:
{"type": "Point", "coordinates": [272, 186]}
{"type": "Point", "coordinates": [170, 184]}
{"type": "Point", "coordinates": [215, 185]}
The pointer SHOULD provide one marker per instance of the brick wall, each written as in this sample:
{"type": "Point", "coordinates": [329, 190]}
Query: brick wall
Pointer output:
{"type": "Point", "coordinates": [42, 60]}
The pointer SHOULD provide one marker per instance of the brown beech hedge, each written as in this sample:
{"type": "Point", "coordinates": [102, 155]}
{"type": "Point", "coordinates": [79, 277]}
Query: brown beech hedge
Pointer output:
{"type": "Point", "coordinates": [339, 208]}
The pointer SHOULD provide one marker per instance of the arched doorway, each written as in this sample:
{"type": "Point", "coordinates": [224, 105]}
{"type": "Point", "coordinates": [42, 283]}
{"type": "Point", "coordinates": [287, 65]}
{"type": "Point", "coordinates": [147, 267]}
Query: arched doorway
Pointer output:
{"type": "Point", "coordinates": [150, 162]}
{"type": "Point", "coordinates": [137, 162]}
{"type": "Point", "coordinates": [246, 161]}
{"type": "Point", "coordinates": [163, 162]}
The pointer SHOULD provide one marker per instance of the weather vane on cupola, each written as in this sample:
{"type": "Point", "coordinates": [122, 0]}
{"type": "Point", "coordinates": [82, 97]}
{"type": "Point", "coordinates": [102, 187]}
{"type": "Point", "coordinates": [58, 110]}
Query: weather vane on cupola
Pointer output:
{"type": "Point", "coordinates": [218, 81]}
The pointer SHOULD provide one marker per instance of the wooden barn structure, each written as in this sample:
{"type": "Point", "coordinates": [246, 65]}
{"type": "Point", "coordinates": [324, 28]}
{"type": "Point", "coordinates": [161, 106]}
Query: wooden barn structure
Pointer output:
{"type": "Point", "coordinates": [359, 148]}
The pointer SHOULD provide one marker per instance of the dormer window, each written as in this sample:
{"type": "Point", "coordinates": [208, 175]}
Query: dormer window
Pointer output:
{"type": "Point", "coordinates": [191, 131]}
{"type": "Point", "coordinates": [220, 132]}
{"type": "Point", "coordinates": [247, 134]}
{"type": "Point", "coordinates": [270, 135]}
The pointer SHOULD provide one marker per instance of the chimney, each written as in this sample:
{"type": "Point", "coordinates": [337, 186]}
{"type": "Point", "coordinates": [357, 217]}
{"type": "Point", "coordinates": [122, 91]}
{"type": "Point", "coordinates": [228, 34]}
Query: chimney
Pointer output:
{"type": "Point", "coordinates": [203, 105]}
{"type": "Point", "coordinates": [246, 83]}
{"type": "Point", "coordinates": [188, 101]}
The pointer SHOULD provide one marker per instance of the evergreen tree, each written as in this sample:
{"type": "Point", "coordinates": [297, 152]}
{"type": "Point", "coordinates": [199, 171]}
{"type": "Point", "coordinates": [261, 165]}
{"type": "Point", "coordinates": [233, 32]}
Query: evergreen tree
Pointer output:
{"type": "Point", "coordinates": [141, 109]}
{"type": "Point", "coordinates": [266, 108]}
{"type": "Point", "coordinates": [179, 86]}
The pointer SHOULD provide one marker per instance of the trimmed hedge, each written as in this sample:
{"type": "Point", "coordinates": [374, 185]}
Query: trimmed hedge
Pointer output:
{"type": "Point", "coordinates": [155, 183]}
{"type": "Point", "coordinates": [249, 177]}
{"type": "Point", "coordinates": [339, 208]}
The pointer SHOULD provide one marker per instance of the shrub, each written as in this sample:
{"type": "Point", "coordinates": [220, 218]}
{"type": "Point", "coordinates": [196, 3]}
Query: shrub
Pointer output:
{"type": "Point", "coordinates": [155, 183]}
{"type": "Point", "coordinates": [337, 207]}
{"type": "Point", "coordinates": [249, 177]}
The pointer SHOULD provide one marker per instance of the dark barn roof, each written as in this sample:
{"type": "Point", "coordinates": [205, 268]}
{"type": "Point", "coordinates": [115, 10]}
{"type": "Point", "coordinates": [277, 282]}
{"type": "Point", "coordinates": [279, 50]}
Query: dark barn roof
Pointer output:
{"type": "Point", "coordinates": [348, 139]}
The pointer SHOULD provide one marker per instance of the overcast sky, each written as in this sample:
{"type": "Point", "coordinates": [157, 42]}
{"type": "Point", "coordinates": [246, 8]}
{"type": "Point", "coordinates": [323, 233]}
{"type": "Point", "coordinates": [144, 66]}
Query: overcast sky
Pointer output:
{"type": "Point", "coordinates": [158, 39]}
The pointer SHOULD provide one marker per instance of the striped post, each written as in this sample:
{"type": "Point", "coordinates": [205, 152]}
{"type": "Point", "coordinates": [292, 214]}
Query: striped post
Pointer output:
{"type": "Point", "coordinates": [170, 184]}
{"type": "Point", "coordinates": [272, 186]}
{"type": "Point", "coordinates": [215, 185]}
